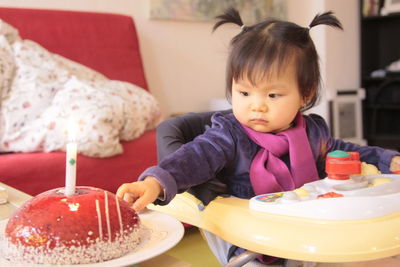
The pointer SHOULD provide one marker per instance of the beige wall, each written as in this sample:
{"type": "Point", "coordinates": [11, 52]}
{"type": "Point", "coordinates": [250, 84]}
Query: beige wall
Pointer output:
{"type": "Point", "coordinates": [338, 50]}
{"type": "Point", "coordinates": [185, 62]}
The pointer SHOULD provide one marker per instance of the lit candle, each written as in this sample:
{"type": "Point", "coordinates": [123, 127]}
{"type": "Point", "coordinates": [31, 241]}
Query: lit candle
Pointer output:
{"type": "Point", "coordinates": [71, 157]}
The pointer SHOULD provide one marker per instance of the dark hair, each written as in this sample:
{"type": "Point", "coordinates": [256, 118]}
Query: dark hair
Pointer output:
{"type": "Point", "coordinates": [275, 43]}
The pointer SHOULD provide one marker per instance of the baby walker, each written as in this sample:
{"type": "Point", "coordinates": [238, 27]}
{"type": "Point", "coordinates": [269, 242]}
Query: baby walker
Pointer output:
{"type": "Point", "coordinates": [342, 218]}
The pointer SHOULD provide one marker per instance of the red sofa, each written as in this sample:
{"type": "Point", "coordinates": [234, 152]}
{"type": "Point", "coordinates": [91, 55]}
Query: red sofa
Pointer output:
{"type": "Point", "coordinates": [107, 43]}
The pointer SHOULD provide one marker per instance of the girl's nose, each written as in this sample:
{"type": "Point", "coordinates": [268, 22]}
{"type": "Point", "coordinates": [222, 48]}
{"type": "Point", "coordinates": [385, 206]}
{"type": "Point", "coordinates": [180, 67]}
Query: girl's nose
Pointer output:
{"type": "Point", "coordinates": [259, 107]}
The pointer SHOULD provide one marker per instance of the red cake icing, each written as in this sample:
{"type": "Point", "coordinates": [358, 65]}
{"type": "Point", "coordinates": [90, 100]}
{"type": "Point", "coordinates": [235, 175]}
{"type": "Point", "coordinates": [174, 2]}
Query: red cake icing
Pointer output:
{"type": "Point", "coordinates": [90, 226]}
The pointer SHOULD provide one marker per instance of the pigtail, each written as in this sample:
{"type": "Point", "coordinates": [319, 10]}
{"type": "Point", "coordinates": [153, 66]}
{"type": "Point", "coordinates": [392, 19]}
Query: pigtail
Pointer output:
{"type": "Point", "coordinates": [231, 15]}
{"type": "Point", "coordinates": [326, 18]}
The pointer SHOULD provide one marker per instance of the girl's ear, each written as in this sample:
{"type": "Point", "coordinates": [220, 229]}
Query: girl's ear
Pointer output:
{"type": "Point", "coordinates": [308, 98]}
{"type": "Point", "coordinates": [304, 101]}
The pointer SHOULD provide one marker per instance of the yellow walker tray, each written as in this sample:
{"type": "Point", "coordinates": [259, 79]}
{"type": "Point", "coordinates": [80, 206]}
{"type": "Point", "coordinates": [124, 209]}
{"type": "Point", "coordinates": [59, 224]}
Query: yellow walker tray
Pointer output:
{"type": "Point", "coordinates": [287, 236]}
{"type": "Point", "coordinates": [355, 218]}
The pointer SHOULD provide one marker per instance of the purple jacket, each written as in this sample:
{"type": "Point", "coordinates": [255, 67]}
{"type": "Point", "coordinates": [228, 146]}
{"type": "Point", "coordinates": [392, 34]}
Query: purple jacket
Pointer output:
{"type": "Point", "coordinates": [226, 150]}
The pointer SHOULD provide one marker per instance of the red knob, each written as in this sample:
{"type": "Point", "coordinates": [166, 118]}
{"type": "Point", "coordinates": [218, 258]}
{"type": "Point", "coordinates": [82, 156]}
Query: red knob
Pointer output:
{"type": "Point", "coordinates": [340, 164]}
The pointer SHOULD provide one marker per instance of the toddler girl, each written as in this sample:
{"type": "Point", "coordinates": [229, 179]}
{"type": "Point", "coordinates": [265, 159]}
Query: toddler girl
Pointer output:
{"type": "Point", "coordinates": [266, 144]}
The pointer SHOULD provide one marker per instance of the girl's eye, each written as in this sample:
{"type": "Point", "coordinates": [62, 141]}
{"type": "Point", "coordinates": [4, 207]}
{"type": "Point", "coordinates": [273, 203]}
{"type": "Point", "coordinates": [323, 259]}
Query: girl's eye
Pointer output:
{"type": "Point", "coordinates": [274, 95]}
{"type": "Point", "coordinates": [244, 93]}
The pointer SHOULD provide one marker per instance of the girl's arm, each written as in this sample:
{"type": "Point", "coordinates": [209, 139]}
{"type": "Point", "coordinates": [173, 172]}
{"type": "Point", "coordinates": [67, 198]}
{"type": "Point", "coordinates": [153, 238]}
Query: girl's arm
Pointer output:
{"type": "Point", "coordinates": [320, 137]}
{"type": "Point", "coordinates": [195, 162]}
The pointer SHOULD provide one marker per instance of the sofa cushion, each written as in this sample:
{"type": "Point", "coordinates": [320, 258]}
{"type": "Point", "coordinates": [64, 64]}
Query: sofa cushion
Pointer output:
{"type": "Point", "coordinates": [92, 39]}
{"type": "Point", "coordinates": [34, 173]}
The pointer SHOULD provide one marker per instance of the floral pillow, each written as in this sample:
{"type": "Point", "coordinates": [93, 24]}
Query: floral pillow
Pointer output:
{"type": "Point", "coordinates": [7, 67]}
{"type": "Point", "coordinates": [47, 91]}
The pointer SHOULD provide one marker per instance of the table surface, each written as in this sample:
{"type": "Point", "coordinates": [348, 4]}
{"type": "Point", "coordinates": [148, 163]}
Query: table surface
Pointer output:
{"type": "Point", "coordinates": [15, 199]}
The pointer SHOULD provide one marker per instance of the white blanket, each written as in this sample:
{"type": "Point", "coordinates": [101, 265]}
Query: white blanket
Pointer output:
{"type": "Point", "coordinates": [41, 92]}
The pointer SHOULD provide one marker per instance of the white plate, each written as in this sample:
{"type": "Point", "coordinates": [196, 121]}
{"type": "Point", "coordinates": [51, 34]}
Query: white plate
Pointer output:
{"type": "Point", "coordinates": [163, 233]}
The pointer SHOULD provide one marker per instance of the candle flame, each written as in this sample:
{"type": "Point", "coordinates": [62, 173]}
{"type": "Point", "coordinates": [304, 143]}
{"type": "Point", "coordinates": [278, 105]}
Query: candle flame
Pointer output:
{"type": "Point", "coordinates": [72, 130]}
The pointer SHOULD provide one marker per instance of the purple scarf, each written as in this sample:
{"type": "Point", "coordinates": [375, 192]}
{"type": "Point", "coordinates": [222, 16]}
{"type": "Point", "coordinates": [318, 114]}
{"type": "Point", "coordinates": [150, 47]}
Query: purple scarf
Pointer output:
{"type": "Point", "coordinates": [268, 173]}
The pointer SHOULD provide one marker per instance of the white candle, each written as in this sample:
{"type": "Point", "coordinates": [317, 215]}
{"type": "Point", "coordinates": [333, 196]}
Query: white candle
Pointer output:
{"type": "Point", "coordinates": [71, 160]}
{"type": "Point", "coordinates": [70, 171]}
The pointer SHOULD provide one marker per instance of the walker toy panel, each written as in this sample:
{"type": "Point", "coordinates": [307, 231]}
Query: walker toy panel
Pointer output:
{"type": "Point", "coordinates": [357, 198]}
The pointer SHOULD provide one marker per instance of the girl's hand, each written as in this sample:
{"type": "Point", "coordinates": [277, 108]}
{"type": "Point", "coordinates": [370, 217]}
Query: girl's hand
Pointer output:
{"type": "Point", "coordinates": [140, 193]}
{"type": "Point", "coordinates": [395, 164]}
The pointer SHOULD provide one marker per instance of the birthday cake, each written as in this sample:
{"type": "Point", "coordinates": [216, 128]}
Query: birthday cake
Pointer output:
{"type": "Point", "coordinates": [89, 226]}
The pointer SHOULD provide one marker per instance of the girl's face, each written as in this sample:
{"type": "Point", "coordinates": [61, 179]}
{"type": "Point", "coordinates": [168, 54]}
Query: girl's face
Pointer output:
{"type": "Point", "coordinates": [271, 105]}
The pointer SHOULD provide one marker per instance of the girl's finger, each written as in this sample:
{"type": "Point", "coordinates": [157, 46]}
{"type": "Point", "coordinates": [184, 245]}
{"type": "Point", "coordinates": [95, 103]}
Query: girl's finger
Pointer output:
{"type": "Point", "coordinates": [128, 198]}
{"type": "Point", "coordinates": [140, 204]}
{"type": "Point", "coordinates": [144, 200]}
{"type": "Point", "coordinates": [129, 188]}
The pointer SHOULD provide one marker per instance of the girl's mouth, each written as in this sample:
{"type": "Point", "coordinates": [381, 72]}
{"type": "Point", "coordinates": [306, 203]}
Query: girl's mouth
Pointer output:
{"type": "Point", "coordinates": [259, 121]}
